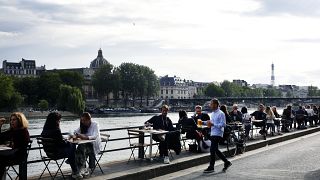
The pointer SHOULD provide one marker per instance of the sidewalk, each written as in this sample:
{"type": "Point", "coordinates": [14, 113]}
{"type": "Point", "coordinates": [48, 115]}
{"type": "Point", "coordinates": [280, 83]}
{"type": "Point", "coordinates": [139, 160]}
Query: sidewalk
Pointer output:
{"type": "Point", "coordinates": [142, 169]}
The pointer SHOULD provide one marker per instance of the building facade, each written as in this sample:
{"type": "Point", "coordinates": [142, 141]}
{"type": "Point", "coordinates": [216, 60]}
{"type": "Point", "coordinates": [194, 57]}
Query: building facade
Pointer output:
{"type": "Point", "coordinates": [176, 88]}
{"type": "Point", "coordinates": [24, 68]}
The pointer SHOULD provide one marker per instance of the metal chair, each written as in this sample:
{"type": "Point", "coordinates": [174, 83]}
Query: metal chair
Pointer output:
{"type": "Point", "coordinates": [11, 167]}
{"type": "Point", "coordinates": [49, 146]}
{"type": "Point", "coordinates": [104, 139]}
{"type": "Point", "coordinates": [134, 145]}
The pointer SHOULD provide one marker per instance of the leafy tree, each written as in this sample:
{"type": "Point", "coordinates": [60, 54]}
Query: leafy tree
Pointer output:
{"type": "Point", "coordinates": [213, 90]}
{"type": "Point", "coordinates": [102, 81]}
{"type": "Point", "coordinates": [28, 87]}
{"type": "Point", "coordinates": [313, 91]}
{"type": "Point", "coordinates": [70, 99]}
{"type": "Point", "coordinates": [128, 80]}
{"type": "Point", "coordinates": [71, 78]}
{"type": "Point", "coordinates": [43, 104]}
{"type": "Point", "coordinates": [9, 98]}
{"type": "Point", "coordinates": [271, 92]}
{"type": "Point", "coordinates": [153, 84]}
{"type": "Point", "coordinates": [49, 87]}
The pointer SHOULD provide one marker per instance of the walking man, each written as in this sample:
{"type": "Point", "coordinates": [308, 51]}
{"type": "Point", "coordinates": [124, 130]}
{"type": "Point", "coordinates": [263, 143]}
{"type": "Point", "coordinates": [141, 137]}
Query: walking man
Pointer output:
{"type": "Point", "coordinates": [217, 124]}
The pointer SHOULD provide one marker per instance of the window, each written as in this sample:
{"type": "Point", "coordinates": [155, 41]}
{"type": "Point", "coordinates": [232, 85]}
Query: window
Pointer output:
{"type": "Point", "coordinates": [161, 92]}
{"type": "Point", "coordinates": [166, 91]}
{"type": "Point", "coordinates": [171, 91]}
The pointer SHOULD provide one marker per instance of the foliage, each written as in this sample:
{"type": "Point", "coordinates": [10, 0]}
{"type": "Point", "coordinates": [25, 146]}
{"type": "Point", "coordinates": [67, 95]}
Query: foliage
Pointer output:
{"type": "Point", "coordinates": [313, 91]}
{"type": "Point", "coordinates": [43, 104]}
{"type": "Point", "coordinates": [49, 87]}
{"type": "Point", "coordinates": [102, 81]}
{"type": "Point", "coordinates": [70, 99]}
{"type": "Point", "coordinates": [71, 78]}
{"type": "Point", "coordinates": [9, 97]}
{"type": "Point", "coordinates": [28, 87]}
{"type": "Point", "coordinates": [213, 90]}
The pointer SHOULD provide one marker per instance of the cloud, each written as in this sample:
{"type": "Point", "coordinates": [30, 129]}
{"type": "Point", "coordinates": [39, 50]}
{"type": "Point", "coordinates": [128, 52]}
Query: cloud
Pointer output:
{"type": "Point", "coordinates": [288, 7]}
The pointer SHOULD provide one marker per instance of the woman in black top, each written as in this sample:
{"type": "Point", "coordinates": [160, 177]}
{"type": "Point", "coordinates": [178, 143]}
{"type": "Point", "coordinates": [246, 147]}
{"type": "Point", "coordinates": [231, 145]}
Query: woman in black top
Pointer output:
{"type": "Point", "coordinates": [64, 148]}
{"type": "Point", "coordinates": [18, 136]}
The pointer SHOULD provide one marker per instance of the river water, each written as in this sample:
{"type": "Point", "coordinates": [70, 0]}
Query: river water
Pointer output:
{"type": "Point", "coordinates": [70, 124]}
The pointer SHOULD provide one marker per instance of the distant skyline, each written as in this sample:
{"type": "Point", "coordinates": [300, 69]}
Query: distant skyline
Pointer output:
{"type": "Point", "coordinates": [198, 40]}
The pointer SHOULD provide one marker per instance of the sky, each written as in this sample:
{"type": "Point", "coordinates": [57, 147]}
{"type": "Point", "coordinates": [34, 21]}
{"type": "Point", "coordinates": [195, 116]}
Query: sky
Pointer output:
{"type": "Point", "coordinates": [200, 40]}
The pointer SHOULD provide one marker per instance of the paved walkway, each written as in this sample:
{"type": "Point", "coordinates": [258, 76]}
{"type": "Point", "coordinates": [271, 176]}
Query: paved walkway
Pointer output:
{"type": "Point", "coordinates": [143, 169]}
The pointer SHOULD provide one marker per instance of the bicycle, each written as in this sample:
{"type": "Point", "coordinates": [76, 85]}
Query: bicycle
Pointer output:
{"type": "Point", "coordinates": [236, 141]}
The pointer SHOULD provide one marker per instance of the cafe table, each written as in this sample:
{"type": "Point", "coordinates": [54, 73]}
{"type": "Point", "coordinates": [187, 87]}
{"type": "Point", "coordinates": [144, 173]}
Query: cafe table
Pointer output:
{"type": "Point", "coordinates": [151, 132]}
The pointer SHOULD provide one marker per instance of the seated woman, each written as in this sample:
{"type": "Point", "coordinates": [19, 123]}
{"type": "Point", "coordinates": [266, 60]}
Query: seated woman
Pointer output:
{"type": "Point", "coordinates": [188, 126]}
{"type": "Point", "coordinates": [18, 135]}
{"type": "Point", "coordinates": [246, 121]}
{"type": "Point", "coordinates": [88, 130]}
{"type": "Point", "coordinates": [52, 130]}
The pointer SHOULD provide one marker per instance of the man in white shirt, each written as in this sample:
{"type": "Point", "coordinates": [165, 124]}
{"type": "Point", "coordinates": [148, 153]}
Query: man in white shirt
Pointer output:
{"type": "Point", "coordinates": [88, 130]}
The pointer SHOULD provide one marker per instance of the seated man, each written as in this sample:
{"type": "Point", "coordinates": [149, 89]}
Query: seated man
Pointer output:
{"type": "Point", "coordinates": [204, 117]}
{"type": "Point", "coordinates": [164, 123]}
{"type": "Point", "coordinates": [260, 115]}
{"type": "Point", "coordinates": [88, 130]}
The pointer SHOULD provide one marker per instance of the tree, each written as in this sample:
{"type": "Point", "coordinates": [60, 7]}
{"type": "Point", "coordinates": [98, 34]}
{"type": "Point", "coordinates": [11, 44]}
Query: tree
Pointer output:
{"type": "Point", "coordinates": [102, 81]}
{"type": "Point", "coordinates": [313, 91]}
{"type": "Point", "coordinates": [43, 104]}
{"type": "Point", "coordinates": [213, 90]}
{"type": "Point", "coordinates": [71, 99]}
{"type": "Point", "coordinates": [153, 84]}
{"type": "Point", "coordinates": [9, 98]}
{"type": "Point", "coordinates": [28, 87]}
{"type": "Point", "coordinates": [271, 92]}
{"type": "Point", "coordinates": [71, 78]}
{"type": "Point", "coordinates": [128, 80]}
{"type": "Point", "coordinates": [49, 87]}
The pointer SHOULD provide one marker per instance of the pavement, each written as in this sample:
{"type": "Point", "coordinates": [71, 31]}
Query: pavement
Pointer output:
{"type": "Point", "coordinates": [298, 158]}
{"type": "Point", "coordinates": [144, 169]}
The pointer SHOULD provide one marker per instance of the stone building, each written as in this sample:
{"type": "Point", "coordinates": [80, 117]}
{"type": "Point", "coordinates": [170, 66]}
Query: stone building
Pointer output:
{"type": "Point", "coordinates": [176, 88]}
{"type": "Point", "coordinates": [24, 68]}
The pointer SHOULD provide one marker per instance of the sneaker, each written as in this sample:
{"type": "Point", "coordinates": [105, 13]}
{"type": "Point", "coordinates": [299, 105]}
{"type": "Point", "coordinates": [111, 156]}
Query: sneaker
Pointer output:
{"type": "Point", "coordinates": [84, 172]}
{"type": "Point", "coordinates": [209, 170]}
{"type": "Point", "coordinates": [226, 166]}
{"type": "Point", "coordinates": [76, 176]}
{"type": "Point", "coordinates": [166, 160]}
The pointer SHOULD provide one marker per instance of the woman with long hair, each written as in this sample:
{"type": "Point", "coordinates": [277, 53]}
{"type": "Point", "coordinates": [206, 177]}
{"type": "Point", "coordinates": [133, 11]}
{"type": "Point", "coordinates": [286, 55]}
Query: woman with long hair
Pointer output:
{"type": "Point", "coordinates": [18, 138]}
{"type": "Point", "coordinates": [51, 129]}
{"type": "Point", "coordinates": [270, 120]}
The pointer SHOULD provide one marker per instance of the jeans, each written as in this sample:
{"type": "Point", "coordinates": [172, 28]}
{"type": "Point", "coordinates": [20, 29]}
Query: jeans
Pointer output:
{"type": "Point", "coordinates": [163, 146]}
{"type": "Point", "coordinates": [82, 153]}
{"type": "Point", "coordinates": [214, 149]}
{"type": "Point", "coordinates": [271, 125]}
{"type": "Point", "coordinates": [69, 152]}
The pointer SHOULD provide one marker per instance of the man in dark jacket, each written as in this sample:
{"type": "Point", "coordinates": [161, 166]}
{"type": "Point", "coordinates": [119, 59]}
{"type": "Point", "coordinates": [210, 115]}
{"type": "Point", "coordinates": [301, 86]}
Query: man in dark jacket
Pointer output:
{"type": "Point", "coordinates": [260, 115]}
{"type": "Point", "coordinates": [164, 123]}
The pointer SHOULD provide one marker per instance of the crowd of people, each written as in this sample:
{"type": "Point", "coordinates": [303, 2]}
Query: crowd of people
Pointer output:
{"type": "Point", "coordinates": [17, 136]}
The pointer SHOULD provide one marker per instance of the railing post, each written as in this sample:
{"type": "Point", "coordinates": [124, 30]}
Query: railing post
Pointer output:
{"type": "Point", "coordinates": [141, 148]}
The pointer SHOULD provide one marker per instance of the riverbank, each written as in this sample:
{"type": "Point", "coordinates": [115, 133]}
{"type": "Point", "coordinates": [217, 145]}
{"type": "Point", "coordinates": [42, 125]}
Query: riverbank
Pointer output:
{"type": "Point", "coordinates": [39, 114]}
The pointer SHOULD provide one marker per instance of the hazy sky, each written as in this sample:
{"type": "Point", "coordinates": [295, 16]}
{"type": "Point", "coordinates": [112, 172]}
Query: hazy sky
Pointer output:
{"type": "Point", "coordinates": [201, 40]}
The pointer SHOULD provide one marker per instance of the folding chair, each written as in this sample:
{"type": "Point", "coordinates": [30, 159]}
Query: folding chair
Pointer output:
{"type": "Point", "coordinates": [11, 167]}
{"type": "Point", "coordinates": [134, 145]}
{"type": "Point", "coordinates": [104, 140]}
{"type": "Point", "coordinates": [49, 147]}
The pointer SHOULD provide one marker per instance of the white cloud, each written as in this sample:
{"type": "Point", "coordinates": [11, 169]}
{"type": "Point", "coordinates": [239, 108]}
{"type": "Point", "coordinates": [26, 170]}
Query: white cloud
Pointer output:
{"type": "Point", "coordinates": [199, 40]}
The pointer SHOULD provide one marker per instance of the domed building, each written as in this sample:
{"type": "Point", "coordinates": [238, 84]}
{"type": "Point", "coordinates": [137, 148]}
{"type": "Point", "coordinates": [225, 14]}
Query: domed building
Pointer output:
{"type": "Point", "coordinates": [99, 61]}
